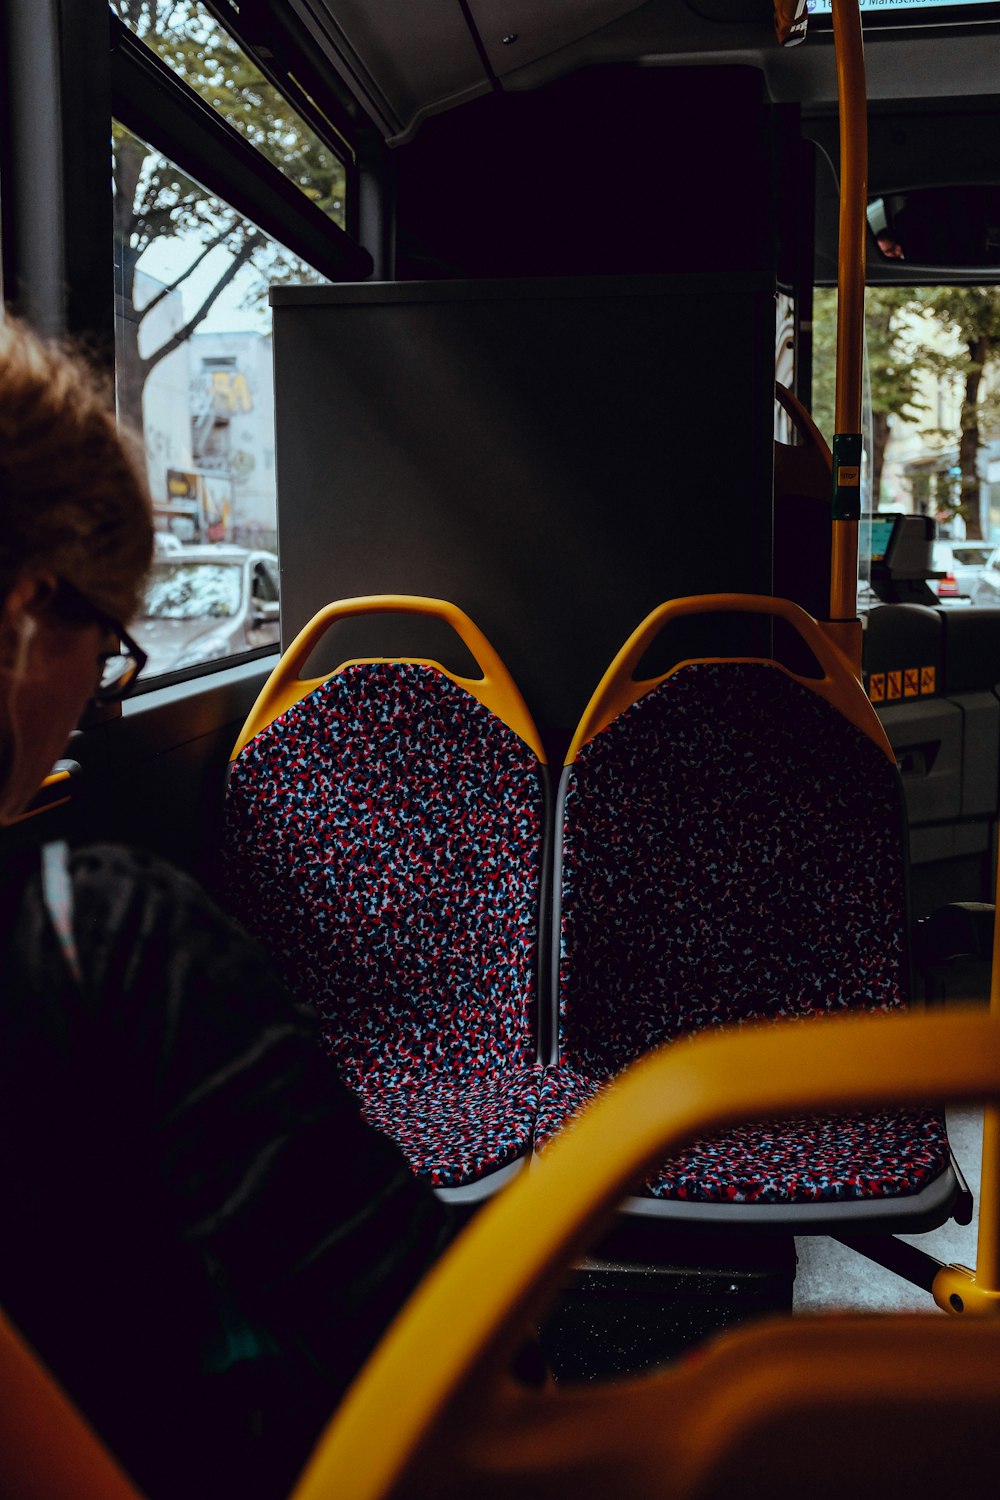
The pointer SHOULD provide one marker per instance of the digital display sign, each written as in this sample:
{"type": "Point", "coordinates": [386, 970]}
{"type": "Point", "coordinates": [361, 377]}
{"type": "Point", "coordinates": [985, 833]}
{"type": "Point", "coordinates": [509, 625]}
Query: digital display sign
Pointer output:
{"type": "Point", "coordinates": [881, 532]}
{"type": "Point", "coordinates": [824, 7]}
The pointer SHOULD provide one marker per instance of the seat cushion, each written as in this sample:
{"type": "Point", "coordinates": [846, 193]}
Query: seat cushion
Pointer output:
{"type": "Point", "coordinates": [565, 1090]}
{"type": "Point", "coordinates": [810, 1160]}
{"type": "Point", "coordinates": [456, 1132]}
{"type": "Point", "coordinates": [731, 850]}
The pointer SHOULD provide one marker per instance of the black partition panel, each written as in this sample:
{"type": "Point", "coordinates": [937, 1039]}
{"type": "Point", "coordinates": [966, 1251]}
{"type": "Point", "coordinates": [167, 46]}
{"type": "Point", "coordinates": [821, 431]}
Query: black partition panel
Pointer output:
{"type": "Point", "coordinates": [555, 456]}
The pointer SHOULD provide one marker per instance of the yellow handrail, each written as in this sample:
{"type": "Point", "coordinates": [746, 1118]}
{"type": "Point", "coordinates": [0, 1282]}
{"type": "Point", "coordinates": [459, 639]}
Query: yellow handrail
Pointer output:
{"type": "Point", "coordinates": [46, 1446]}
{"type": "Point", "coordinates": [988, 1248]}
{"type": "Point", "coordinates": [850, 316]}
{"type": "Point", "coordinates": [496, 688]}
{"type": "Point", "coordinates": [441, 1370]}
{"type": "Point", "coordinates": [619, 689]}
{"type": "Point", "coordinates": [978, 1290]}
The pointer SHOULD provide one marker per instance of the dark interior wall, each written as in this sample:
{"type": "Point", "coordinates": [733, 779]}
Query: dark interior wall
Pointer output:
{"type": "Point", "coordinates": [556, 457]}
{"type": "Point", "coordinates": [613, 170]}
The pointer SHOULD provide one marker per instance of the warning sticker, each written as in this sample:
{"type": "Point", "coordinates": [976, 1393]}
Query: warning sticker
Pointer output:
{"type": "Point", "coordinates": [848, 476]}
{"type": "Point", "coordinates": [876, 687]}
{"type": "Point", "coordinates": [928, 679]}
{"type": "Point", "coordinates": [894, 685]}
{"type": "Point", "coordinates": [911, 682]}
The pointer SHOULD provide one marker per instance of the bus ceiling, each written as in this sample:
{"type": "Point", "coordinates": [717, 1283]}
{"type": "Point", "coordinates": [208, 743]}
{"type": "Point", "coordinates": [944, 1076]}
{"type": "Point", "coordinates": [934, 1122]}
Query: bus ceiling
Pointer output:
{"type": "Point", "coordinates": [398, 64]}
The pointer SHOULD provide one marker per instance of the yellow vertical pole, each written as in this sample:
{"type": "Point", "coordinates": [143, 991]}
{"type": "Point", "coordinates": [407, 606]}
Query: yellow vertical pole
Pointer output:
{"type": "Point", "coordinates": [956, 1288]}
{"type": "Point", "coordinates": [988, 1247]}
{"type": "Point", "coordinates": [846, 513]}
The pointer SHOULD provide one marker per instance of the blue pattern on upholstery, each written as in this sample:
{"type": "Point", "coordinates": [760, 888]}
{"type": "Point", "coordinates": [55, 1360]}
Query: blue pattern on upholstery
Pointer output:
{"type": "Point", "coordinates": [384, 841]}
{"type": "Point", "coordinates": [731, 851]}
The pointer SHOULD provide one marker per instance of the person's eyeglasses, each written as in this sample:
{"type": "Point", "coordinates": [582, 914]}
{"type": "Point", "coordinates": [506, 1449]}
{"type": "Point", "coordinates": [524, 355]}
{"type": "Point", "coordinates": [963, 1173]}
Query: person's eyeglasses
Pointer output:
{"type": "Point", "coordinates": [120, 669]}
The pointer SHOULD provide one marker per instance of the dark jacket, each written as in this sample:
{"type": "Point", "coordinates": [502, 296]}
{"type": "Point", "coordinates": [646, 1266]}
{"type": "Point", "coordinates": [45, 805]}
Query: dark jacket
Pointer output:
{"type": "Point", "coordinates": [201, 1236]}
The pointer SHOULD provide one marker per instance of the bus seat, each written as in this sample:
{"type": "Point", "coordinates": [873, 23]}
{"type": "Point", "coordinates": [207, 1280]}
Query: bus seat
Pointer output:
{"type": "Point", "coordinates": [384, 840]}
{"type": "Point", "coordinates": [826, 1405]}
{"type": "Point", "coordinates": [730, 848]}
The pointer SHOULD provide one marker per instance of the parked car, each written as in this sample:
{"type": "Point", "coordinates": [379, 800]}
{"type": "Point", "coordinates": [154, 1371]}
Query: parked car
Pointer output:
{"type": "Point", "coordinates": [987, 589]}
{"type": "Point", "coordinates": [962, 564]}
{"type": "Point", "coordinates": [207, 602]}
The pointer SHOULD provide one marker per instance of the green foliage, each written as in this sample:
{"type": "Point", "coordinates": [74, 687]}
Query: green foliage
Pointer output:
{"type": "Point", "coordinates": [824, 354]}
{"type": "Point", "coordinates": [968, 317]}
{"type": "Point", "coordinates": [202, 53]}
{"type": "Point", "coordinates": [971, 315]}
{"type": "Point", "coordinates": [895, 356]}
{"type": "Point", "coordinates": [989, 416]}
{"type": "Point", "coordinates": [155, 200]}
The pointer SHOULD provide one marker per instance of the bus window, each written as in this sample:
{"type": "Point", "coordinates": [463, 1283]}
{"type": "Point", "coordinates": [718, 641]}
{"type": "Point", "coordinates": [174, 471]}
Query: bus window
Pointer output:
{"type": "Point", "coordinates": [934, 370]}
{"type": "Point", "coordinates": [193, 365]}
{"type": "Point", "coordinates": [210, 61]}
{"type": "Point", "coordinates": [204, 226]}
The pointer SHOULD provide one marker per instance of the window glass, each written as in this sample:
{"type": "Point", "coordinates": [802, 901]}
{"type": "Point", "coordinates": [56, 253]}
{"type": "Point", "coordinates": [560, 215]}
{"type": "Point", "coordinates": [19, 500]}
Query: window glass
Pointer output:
{"type": "Point", "coordinates": [194, 376]}
{"type": "Point", "coordinates": [933, 371]}
{"type": "Point", "coordinates": [184, 590]}
{"type": "Point", "coordinates": [202, 53]}
{"type": "Point", "coordinates": [202, 606]}
{"type": "Point", "coordinates": [265, 585]}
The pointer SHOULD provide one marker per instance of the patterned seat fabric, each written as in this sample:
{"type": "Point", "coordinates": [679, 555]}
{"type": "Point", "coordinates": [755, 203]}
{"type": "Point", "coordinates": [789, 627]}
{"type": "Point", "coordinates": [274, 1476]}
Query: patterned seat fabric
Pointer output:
{"type": "Point", "coordinates": [383, 840]}
{"type": "Point", "coordinates": [731, 851]}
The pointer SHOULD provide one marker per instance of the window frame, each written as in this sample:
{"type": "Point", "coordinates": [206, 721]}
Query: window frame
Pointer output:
{"type": "Point", "coordinates": [148, 99]}
{"type": "Point", "coordinates": [67, 69]}
{"type": "Point", "coordinates": [55, 182]}
{"type": "Point", "coordinates": [156, 105]}
{"type": "Point", "coordinates": [274, 41]}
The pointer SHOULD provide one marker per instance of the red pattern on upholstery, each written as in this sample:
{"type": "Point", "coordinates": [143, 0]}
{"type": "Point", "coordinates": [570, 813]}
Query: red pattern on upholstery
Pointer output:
{"type": "Point", "coordinates": [384, 841]}
{"type": "Point", "coordinates": [732, 851]}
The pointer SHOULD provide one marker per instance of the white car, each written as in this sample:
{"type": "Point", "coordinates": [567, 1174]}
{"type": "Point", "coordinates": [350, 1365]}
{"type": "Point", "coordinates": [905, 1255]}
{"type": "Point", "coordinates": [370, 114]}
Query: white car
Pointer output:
{"type": "Point", "coordinates": [962, 564]}
{"type": "Point", "coordinates": [207, 602]}
{"type": "Point", "coordinates": [987, 589]}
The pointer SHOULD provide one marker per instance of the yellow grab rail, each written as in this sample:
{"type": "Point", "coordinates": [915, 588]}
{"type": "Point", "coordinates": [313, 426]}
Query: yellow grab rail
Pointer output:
{"type": "Point", "coordinates": [496, 688]}
{"type": "Point", "coordinates": [438, 1381]}
{"type": "Point", "coordinates": [46, 1447]}
{"type": "Point", "coordinates": [618, 688]}
{"type": "Point", "coordinates": [979, 1289]}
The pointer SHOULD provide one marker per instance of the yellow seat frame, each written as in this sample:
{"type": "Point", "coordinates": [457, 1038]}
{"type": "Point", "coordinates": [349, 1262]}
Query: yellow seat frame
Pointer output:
{"type": "Point", "coordinates": [435, 1411]}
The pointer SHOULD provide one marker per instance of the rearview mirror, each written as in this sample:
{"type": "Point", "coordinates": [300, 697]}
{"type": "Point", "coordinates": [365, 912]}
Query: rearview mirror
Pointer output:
{"type": "Point", "coordinates": [265, 612]}
{"type": "Point", "coordinates": [955, 228]}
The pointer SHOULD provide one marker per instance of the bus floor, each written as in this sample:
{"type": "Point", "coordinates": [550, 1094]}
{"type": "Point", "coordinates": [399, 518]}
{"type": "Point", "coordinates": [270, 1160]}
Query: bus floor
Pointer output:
{"type": "Point", "coordinates": [647, 1294]}
{"type": "Point", "coordinates": [832, 1276]}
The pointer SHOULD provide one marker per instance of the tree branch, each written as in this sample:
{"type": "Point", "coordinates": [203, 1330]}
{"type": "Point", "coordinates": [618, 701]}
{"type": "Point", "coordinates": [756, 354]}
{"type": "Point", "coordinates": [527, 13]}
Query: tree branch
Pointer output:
{"type": "Point", "coordinates": [166, 290]}
{"type": "Point", "coordinates": [183, 334]}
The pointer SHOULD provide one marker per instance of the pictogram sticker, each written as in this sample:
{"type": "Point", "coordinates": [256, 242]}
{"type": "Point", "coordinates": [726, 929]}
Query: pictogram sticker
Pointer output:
{"type": "Point", "coordinates": [928, 679]}
{"type": "Point", "coordinates": [876, 687]}
{"type": "Point", "coordinates": [911, 682]}
{"type": "Point", "coordinates": [894, 685]}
